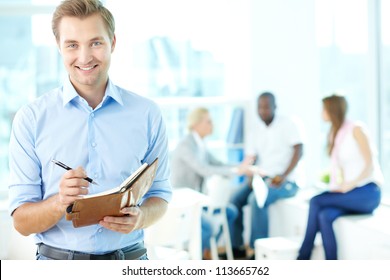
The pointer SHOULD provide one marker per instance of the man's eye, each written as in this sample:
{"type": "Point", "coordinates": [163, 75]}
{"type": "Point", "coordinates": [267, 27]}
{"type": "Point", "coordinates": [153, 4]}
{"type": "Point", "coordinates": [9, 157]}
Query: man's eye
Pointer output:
{"type": "Point", "coordinates": [96, 44]}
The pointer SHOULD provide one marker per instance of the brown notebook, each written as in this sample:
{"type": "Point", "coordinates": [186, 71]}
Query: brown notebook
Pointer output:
{"type": "Point", "coordinates": [91, 209]}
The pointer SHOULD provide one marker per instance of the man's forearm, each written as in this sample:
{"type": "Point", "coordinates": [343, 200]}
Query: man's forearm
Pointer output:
{"type": "Point", "coordinates": [36, 217]}
{"type": "Point", "coordinates": [153, 209]}
{"type": "Point", "coordinates": [298, 151]}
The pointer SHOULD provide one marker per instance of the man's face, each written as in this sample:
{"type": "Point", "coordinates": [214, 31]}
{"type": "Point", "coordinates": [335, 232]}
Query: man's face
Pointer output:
{"type": "Point", "coordinates": [86, 50]}
{"type": "Point", "coordinates": [266, 109]}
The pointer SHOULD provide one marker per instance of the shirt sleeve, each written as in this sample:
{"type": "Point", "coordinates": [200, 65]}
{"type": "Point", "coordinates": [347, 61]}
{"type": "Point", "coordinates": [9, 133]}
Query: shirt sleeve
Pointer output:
{"type": "Point", "coordinates": [158, 148]}
{"type": "Point", "coordinates": [295, 131]}
{"type": "Point", "coordinates": [25, 169]}
{"type": "Point", "coordinates": [206, 168]}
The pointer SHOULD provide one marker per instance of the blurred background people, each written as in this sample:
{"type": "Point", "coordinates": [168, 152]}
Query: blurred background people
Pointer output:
{"type": "Point", "coordinates": [192, 164]}
{"type": "Point", "coordinates": [355, 177]}
{"type": "Point", "coordinates": [276, 147]}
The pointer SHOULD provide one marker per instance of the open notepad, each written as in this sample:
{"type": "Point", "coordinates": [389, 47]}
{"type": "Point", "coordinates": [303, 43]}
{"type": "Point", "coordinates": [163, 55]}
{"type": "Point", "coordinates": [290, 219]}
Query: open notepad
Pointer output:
{"type": "Point", "coordinates": [260, 189]}
{"type": "Point", "coordinates": [123, 186]}
{"type": "Point", "coordinates": [92, 208]}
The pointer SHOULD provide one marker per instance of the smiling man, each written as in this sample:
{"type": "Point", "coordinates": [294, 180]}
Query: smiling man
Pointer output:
{"type": "Point", "coordinates": [88, 122]}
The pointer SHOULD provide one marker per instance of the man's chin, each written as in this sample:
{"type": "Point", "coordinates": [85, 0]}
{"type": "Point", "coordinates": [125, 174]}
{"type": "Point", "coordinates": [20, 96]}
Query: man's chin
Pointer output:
{"type": "Point", "coordinates": [85, 82]}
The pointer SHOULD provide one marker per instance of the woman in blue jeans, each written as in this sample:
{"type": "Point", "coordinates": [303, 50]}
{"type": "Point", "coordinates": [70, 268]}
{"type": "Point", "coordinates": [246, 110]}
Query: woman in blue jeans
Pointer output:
{"type": "Point", "coordinates": [355, 177]}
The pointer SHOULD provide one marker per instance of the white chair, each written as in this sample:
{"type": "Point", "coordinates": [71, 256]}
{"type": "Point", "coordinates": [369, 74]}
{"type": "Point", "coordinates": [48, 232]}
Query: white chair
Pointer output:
{"type": "Point", "coordinates": [218, 190]}
{"type": "Point", "coordinates": [177, 235]}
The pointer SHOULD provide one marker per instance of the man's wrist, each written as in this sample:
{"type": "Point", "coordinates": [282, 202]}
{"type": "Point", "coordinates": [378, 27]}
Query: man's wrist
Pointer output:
{"type": "Point", "coordinates": [58, 208]}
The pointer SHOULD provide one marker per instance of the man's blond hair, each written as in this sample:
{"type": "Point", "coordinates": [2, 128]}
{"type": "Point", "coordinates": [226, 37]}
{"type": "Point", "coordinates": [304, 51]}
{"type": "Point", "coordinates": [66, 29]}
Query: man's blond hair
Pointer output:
{"type": "Point", "coordinates": [82, 9]}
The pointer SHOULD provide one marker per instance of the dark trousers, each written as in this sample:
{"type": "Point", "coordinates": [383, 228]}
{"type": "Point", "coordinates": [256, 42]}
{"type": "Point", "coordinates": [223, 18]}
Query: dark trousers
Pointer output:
{"type": "Point", "coordinates": [259, 216]}
{"type": "Point", "coordinates": [326, 207]}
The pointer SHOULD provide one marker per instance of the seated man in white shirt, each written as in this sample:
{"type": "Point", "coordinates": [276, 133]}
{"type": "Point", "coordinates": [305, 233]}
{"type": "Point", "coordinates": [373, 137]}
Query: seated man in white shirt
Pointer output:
{"type": "Point", "coordinates": [275, 146]}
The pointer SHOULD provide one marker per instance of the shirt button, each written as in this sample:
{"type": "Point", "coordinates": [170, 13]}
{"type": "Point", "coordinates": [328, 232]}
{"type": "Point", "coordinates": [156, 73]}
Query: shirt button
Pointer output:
{"type": "Point", "coordinates": [100, 230]}
{"type": "Point", "coordinates": [92, 115]}
{"type": "Point", "coordinates": [93, 144]}
{"type": "Point", "coordinates": [96, 175]}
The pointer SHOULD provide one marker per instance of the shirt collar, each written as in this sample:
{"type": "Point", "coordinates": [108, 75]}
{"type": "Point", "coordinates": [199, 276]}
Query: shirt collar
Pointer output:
{"type": "Point", "coordinates": [113, 92]}
{"type": "Point", "coordinates": [198, 140]}
{"type": "Point", "coordinates": [70, 93]}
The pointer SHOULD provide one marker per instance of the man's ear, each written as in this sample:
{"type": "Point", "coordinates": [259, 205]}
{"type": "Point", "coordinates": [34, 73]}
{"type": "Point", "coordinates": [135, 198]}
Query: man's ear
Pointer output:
{"type": "Point", "coordinates": [113, 43]}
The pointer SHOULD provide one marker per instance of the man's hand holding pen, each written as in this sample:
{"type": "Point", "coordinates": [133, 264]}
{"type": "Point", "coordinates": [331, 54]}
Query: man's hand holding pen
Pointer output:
{"type": "Point", "coordinates": [72, 186]}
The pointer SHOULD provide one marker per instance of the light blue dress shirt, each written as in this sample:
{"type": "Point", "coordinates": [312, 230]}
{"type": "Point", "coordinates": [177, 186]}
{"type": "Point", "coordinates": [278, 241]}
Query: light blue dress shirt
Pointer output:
{"type": "Point", "coordinates": [110, 142]}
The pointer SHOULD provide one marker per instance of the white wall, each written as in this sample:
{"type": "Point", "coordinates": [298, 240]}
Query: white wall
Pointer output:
{"type": "Point", "coordinates": [13, 246]}
{"type": "Point", "coordinates": [285, 61]}
{"type": "Point", "coordinates": [5, 232]}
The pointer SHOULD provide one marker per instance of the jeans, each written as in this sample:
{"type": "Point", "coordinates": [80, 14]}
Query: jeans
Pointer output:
{"type": "Point", "coordinates": [207, 224]}
{"type": "Point", "coordinates": [259, 216]}
{"type": "Point", "coordinates": [326, 207]}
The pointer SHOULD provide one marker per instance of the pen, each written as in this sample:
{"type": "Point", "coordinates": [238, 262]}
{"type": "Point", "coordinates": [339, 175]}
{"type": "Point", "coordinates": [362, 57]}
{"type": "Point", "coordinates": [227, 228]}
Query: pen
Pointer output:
{"type": "Point", "coordinates": [64, 166]}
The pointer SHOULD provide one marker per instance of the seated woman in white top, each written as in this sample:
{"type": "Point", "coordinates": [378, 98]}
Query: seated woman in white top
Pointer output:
{"type": "Point", "coordinates": [355, 177]}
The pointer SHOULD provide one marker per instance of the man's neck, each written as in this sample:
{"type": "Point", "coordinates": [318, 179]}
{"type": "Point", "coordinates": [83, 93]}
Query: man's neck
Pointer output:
{"type": "Point", "coordinates": [92, 94]}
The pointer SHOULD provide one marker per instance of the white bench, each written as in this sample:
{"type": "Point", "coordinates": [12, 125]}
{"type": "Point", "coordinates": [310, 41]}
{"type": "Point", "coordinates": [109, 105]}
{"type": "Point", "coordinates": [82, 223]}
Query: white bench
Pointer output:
{"type": "Point", "coordinates": [283, 248]}
{"type": "Point", "coordinates": [358, 236]}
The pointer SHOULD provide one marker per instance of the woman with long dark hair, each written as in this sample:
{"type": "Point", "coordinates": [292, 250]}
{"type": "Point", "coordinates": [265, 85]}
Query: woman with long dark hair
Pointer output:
{"type": "Point", "coordinates": [355, 177]}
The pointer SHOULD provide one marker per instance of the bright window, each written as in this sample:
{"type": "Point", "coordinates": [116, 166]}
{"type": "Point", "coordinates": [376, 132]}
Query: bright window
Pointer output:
{"type": "Point", "coordinates": [385, 90]}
